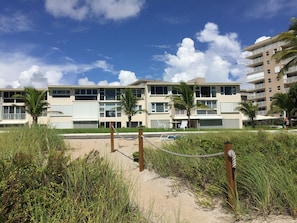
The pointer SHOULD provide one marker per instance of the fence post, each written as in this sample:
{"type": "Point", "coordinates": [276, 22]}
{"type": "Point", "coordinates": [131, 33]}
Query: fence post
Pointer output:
{"type": "Point", "coordinates": [230, 176]}
{"type": "Point", "coordinates": [140, 145]}
{"type": "Point", "coordinates": [111, 137]}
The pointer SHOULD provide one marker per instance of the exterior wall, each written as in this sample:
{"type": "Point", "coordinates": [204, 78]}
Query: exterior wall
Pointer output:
{"type": "Point", "coordinates": [262, 73]}
{"type": "Point", "coordinates": [97, 106]}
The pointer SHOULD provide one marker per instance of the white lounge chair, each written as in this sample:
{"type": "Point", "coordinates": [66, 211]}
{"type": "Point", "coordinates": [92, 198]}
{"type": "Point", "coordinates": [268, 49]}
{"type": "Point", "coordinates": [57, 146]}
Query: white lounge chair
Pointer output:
{"type": "Point", "coordinates": [184, 125]}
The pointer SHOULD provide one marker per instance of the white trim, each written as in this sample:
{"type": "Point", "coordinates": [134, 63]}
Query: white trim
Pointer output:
{"type": "Point", "coordinates": [11, 122]}
{"type": "Point", "coordinates": [202, 117]}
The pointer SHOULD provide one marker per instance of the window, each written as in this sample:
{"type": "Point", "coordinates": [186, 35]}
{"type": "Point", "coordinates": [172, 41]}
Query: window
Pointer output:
{"type": "Point", "coordinates": [109, 94]}
{"type": "Point", "coordinates": [110, 110]}
{"type": "Point", "coordinates": [159, 107]}
{"type": "Point", "coordinates": [85, 94]}
{"type": "Point", "coordinates": [212, 104]}
{"type": "Point", "coordinates": [270, 98]}
{"type": "Point", "coordinates": [60, 93]}
{"type": "Point", "coordinates": [137, 92]}
{"type": "Point", "coordinates": [209, 91]}
{"type": "Point", "coordinates": [278, 88]}
{"type": "Point", "coordinates": [269, 80]}
{"type": "Point", "coordinates": [268, 71]}
{"type": "Point", "coordinates": [268, 62]}
{"type": "Point", "coordinates": [274, 50]}
{"type": "Point", "coordinates": [138, 108]}
{"type": "Point", "coordinates": [14, 112]}
{"type": "Point", "coordinates": [269, 89]}
{"type": "Point", "coordinates": [267, 53]}
{"type": "Point", "coordinates": [8, 96]}
{"type": "Point", "coordinates": [228, 90]}
{"type": "Point", "coordinates": [159, 90]}
{"type": "Point", "coordinates": [205, 91]}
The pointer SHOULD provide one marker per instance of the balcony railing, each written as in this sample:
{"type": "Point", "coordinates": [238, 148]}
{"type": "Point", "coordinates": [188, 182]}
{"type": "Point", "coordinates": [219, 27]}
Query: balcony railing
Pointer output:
{"type": "Point", "coordinates": [290, 79]}
{"type": "Point", "coordinates": [255, 61]}
{"type": "Point", "coordinates": [261, 103]}
{"type": "Point", "coordinates": [14, 116]}
{"type": "Point", "coordinates": [258, 95]}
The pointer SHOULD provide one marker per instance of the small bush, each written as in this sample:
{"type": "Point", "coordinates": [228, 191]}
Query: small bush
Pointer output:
{"type": "Point", "coordinates": [266, 173]}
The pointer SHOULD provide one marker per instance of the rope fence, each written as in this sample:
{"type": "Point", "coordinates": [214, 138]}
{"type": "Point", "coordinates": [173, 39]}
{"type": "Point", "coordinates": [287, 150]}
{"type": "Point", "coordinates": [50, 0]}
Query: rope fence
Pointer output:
{"type": "Point", "coordinates": [230, 158]}
{"type": "Point", "coordinates": [182, 155]}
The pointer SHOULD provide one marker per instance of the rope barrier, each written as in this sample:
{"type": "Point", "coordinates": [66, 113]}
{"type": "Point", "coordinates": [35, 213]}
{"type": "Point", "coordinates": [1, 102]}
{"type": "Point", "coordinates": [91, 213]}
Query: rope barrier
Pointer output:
{"type": "Point", "coordinates": [232, 154]}
{"type": "Point", "coordinates": [183, 155]}
{"type": "Point", "coordinates": [122, 137]}
{"type": "Point", "coordinates": [124, 154]}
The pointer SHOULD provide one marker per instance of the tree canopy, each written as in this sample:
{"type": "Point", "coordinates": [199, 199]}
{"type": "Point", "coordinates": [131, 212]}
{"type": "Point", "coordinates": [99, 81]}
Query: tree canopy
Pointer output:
{"type": "Point", "coordinates": [35, 102]}
{"type": "Point", "coordinates": [248, 109]}
{"type": "Point", "coordinates": [129, 104]}
{"type": "Point", "coordinates": [289, 51]}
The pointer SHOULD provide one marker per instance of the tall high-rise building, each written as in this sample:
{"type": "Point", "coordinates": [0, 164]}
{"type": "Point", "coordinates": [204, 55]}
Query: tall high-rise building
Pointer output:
{"type": "Point", "coordinates": [263, 73]}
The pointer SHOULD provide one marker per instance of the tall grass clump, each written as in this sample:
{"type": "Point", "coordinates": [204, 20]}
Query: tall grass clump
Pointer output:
{"type": "Point", "coordinates": [266, 173]}
{"type": "Point", "coordinates": [40, 183]}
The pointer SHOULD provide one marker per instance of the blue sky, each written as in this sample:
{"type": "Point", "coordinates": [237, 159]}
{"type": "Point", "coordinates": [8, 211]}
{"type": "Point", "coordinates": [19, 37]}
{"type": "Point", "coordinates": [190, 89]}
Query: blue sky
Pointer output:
{"type": "Point", "coordinates": [115, 42]}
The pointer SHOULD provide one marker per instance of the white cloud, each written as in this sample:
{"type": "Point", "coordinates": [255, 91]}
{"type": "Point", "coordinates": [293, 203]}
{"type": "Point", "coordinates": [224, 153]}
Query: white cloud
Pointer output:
{"type": "Point", "coordinates": [126, 77]}
{"type": "Point", "coordinates": [262, 38]}
{"type": "Point", "coordinates": [221, 62]}
{"type": "Point", "coordinates": [82, 9]}
{"type": "Point", "coordinates": [271, 8]}
{"type": "Point", "coordinates": [85, 81]}
{"type": "Point", "coordinates": [67, 8]}
{"type": "Point", "coordinates": [14, 23]}
{"type": "Point", "coordinates": [20, 70]}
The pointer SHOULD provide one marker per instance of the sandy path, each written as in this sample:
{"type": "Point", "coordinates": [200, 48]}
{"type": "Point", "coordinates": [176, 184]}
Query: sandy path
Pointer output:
{"type": "Point", "coordinates": [161, 198]}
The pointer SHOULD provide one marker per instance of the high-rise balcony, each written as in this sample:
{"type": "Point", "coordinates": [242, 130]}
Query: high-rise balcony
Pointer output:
{"type": "Point", "coordinates": [256, 96]}
{"type": "Point", "coordinates": [255, 77]}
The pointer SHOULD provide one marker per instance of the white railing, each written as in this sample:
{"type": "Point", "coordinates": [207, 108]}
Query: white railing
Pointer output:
{"type": "Point", "coordinates": [14, 116]}
{"type": "Point", "coordinates": [258, 95]}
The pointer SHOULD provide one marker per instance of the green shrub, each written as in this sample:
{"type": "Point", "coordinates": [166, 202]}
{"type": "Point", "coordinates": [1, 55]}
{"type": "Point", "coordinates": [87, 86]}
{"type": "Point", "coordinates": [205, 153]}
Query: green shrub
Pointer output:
{"type": "Point", "coordinates": [39, 183]}
{"type": "Point", "coordinates": [266, 173]}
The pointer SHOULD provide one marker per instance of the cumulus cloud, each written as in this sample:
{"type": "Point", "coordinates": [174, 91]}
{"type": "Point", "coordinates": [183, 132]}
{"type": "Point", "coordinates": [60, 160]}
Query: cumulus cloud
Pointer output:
{"type": "Point", "coordinates": [82, 9]}
{"type": "Point", "coordinates": [20, 70]}
{"type": "Point", "coordinates": [85, 81]}
{"type": "Point", "coordinates": [125, 77]}
{"type": "Point", "coordinates": [221, 62]}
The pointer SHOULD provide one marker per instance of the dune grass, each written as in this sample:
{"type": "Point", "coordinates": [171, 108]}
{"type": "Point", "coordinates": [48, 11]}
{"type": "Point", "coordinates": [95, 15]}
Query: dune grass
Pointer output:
{"type": "Point", "coordinates": [40, 183]}
{"type": "Point", "coordinates": [266, 173]}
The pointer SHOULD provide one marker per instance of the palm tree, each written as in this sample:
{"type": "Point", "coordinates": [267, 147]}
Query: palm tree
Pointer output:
{"type": "Point", "coordinates": [290, 49]}
{"type": "Point", "coordinates": [282, 102]}
{"type": "Point", "coordinates": [184, 100]}
{"type": "Point", "coordinates": [248, 109]}
{"type": "Point", "coordinates": [128, 104]}
{"type": "Point", "coordinates": [293, 93]}
{"type": "Point", "coordinates": [34, 101]}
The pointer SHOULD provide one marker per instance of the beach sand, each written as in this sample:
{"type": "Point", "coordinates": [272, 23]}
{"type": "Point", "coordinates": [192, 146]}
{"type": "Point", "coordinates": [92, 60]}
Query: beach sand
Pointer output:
{"type": "Point", "coordinates": [162, 199]}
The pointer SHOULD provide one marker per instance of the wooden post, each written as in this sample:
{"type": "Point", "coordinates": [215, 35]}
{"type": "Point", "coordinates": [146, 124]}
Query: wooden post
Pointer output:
{"type": "Point", "coordinates": [140, 145]}
{"type": "Point", "coordinates": [230, 176]}
{"type": "Point", "coordinates": [111, 137]}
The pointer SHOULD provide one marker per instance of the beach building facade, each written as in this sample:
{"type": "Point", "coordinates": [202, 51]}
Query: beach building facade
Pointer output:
{"type": "Point", "coordinates": [97, 106]}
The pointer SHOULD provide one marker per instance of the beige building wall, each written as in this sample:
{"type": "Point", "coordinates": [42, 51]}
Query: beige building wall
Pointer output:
{"type": "Point", "coordinates": [263, 73]}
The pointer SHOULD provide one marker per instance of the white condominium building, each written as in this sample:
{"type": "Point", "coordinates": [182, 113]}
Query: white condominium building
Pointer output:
{"type": "Point", "coordinates": [97, 106]}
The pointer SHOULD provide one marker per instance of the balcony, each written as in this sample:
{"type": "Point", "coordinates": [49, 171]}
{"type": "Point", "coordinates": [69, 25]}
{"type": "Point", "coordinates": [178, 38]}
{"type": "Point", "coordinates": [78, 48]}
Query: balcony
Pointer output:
{"type": "Point", "coordinates": [12, 116]}
{"type": "Point", "coordinates": [261, 103]}
{"type": "Point", "coordinates": [256, 62]}
{"type": "Point", "coordinates": [290, 80]}
{"type": "Point", "coordinates": [255, 77]}
{"type": "Point", "coordinates": [256, 96]}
